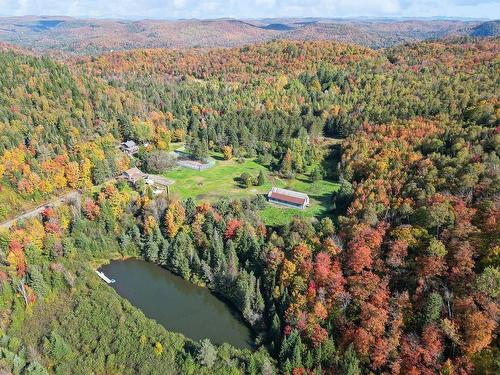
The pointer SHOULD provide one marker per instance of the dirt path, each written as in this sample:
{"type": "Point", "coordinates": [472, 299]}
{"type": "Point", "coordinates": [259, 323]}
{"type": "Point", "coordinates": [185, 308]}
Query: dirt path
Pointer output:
{"type": "Point", "coordinates": [74, 194]}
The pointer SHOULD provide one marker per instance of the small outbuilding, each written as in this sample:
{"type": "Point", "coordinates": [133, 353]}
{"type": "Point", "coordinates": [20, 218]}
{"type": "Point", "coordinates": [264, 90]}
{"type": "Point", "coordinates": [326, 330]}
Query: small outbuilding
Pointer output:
{"type": "Point", "coordinates": [288, 198]}
{"type": "Point", "coordinates": [130, 147]}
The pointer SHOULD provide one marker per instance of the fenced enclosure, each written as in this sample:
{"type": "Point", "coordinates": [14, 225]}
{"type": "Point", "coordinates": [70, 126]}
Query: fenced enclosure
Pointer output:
{"type": "Point", "coordinates": [195, 164]}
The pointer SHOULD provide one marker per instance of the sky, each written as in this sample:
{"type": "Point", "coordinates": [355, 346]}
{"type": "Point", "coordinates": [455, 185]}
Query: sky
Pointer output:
{"type": "Point", "coordinates": [207, 9]}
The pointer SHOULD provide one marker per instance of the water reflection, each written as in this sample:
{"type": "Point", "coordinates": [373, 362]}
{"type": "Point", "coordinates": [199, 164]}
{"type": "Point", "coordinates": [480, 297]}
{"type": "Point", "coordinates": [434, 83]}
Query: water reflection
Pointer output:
{"type": "Point", "coordinates": [177, 304]}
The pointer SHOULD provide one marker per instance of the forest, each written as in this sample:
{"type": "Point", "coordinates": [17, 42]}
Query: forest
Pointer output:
{"type": "Point", "coordinates": [63, 35]}
{"type": "Point", "coordinates": [400, 276]}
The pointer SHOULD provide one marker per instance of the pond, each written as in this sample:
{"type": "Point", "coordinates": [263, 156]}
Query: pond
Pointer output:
{"type": "Point", "coordinates": [176, 304]}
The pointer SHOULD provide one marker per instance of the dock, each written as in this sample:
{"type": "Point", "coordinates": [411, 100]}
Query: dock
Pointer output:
{"type": "Point", "coordinates": [105, 278]}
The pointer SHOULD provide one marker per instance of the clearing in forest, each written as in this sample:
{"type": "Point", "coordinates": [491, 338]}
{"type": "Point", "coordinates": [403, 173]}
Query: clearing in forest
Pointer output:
{"type": "Point", "coordinates": [223, 181]}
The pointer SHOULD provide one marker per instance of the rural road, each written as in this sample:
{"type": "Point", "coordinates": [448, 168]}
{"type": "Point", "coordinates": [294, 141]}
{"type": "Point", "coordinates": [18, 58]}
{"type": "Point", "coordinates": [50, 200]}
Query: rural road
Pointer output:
{"type": "Point", "coordinates": [38, 210]}
{"type": "Point", "coordinates": [73, 194]}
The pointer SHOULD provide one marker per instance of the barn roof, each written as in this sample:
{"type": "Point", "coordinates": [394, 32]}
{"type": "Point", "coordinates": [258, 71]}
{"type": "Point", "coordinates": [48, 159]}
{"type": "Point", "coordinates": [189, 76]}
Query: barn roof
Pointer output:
{"type": "Point", "coordinates": [290, 196]}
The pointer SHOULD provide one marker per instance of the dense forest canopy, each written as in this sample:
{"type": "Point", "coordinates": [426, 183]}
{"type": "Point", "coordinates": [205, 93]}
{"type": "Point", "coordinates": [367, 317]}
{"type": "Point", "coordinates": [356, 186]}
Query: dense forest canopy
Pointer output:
{"type": "Point", "coordinates": [401, 277]}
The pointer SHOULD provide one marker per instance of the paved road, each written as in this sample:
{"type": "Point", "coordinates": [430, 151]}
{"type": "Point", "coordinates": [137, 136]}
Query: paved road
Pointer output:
{"type": "Point", "coordinates": [74, 194]}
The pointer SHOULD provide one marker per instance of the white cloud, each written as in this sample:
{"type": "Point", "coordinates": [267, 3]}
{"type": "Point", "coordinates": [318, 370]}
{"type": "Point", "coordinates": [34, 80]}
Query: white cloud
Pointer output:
{"type": "Point", "coordinates": [252, 9]}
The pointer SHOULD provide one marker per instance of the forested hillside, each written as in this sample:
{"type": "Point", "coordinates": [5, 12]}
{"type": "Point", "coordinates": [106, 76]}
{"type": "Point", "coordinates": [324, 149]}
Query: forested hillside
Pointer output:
{"type": "Point", "coordinates": [401, 275]}
{"type": "Point", "coordinates": [93, 36]}
{"type": "Point", "coordinates": [57, 129]}
{"type": "Point", "coordinates": [327, 89]}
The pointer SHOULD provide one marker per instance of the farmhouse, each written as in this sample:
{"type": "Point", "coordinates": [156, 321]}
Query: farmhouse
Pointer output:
{"type": "Point", "coordinates": [130, 147]}
{"type": "Point", "coordinates": [133, 175]}
{"type": "Point", "coordinates": [288, 198]}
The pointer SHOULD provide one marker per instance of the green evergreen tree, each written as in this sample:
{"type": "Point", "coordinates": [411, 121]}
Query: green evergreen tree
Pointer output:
{"type": "Point", "coordinates": [317, 174]}
{"type": "Point", "coordinates": [318, 356]}
{"type": "Point", "coordinates": [259, 304]}
{"type": "Point", "coordinates": [252, 367]}
{"type": "Point", "coordinates": [207, 353]}
{"type": "Point", "coordinates": [59, 349]}
{"type": "Point", "coordinates": [433, 306]}
{"type": "Point", "coordinates": [164, 253]}
{"type": "Point", "coordinates": [309, 363]}
{"type": "Point", "coordinates": [349, 363]}
{"type": "Point", "coordinates": [261, 178]}
{"type": "Point", "coordinates": [37, 281]}
{"type": "Point", "coordinates": [297, 353]}
{"type": "Point", "coordinates": [232, 262]}
{"type": "Point", "coordinates": [151, 249]}
{"type": "Point", "coordinates": [190, 207]}
{"type": "Point", "coordinates": [328, 350]}
{"type": "Point", "coordinates": [275, 327]}
{"type": "Point", "coordinates": [179, 260]}
{"type": "Point", "coordinates": [287, 367]}
{"type": "Point", "coordinates": [217, 251]}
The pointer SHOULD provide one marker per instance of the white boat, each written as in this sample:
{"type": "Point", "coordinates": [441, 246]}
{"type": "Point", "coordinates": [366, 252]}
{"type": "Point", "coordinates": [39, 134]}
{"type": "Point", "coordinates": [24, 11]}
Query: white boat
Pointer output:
{"type": "Point", "coordinates": [105, 278]}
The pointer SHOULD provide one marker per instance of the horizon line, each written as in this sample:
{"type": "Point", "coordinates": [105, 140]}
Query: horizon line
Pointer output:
{"type": "Point", "coordinates": [110, 18]}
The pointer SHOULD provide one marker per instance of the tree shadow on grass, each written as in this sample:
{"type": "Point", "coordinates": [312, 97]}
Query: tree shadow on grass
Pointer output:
{"type": "Point", "coordinates": [324, 201]}
{"type": "Point", "coordinates": [304, 179]}
{"type": "Point", "coordinates": [217, 157]}
{"type": "Point", "coordinates": [239, 182]}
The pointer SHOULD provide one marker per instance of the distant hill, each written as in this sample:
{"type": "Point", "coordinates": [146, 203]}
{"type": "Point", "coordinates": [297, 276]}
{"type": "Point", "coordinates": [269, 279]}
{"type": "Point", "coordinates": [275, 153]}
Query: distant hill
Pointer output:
{"type": "Point", "coordinates": [491, 28]}
{"type": "Point", "coordinates": [93, 36]}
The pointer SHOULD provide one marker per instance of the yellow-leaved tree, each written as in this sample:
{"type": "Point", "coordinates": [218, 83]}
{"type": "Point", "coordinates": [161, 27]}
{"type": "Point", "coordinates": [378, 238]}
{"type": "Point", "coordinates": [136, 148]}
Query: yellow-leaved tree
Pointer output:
{"type": "Point", "coordinates": [174, 218]}
{"type": "Point", "coordinates": [228, 152]}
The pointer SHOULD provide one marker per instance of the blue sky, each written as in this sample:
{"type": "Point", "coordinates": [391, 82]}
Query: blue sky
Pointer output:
{"type": "Point", "coordinates": [252, 8]}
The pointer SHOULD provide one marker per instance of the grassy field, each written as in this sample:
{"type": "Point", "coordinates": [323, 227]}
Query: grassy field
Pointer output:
{"type": "Point", "coordinates": [222, 180]}
{"type": "Point", "coordinates": [12, 203]}
{"type": "Point", "coordinates": [320, 194]}
{"type": "Point", "coordinates": [176, 146]}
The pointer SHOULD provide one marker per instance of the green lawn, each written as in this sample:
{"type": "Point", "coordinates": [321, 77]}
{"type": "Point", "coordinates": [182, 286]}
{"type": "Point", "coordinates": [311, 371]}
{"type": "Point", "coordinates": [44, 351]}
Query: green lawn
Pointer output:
{"type": "Point", "coordinates": [215, 182]}
{"type": "Point", "coordinates": [320, 195]}
{"type": "Point", "coordinates": [222, 181]}
{"type": "Point", "coordinates": [176, 146]}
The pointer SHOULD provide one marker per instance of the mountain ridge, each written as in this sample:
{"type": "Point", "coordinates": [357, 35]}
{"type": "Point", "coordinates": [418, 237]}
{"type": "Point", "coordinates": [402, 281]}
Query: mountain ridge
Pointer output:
{"type": "Point", "coordinates": [95, 36]}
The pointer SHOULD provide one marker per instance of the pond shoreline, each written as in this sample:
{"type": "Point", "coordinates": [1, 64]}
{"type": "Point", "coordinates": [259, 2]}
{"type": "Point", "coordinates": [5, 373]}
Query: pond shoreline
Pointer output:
{"type": "Point", "coordinates": [180, 306]}
{"type": "Point", "coordinates": [220, 296]}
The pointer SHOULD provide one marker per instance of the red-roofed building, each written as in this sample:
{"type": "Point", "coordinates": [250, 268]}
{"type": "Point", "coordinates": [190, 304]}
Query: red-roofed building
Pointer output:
{"type": "Point", "coordinates": [288, 198]}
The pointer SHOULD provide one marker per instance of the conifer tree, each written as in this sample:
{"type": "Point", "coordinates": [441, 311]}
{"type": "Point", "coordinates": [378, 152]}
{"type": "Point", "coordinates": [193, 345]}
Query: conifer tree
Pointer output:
{"type": "Point", "coordinates": [349, 363]}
